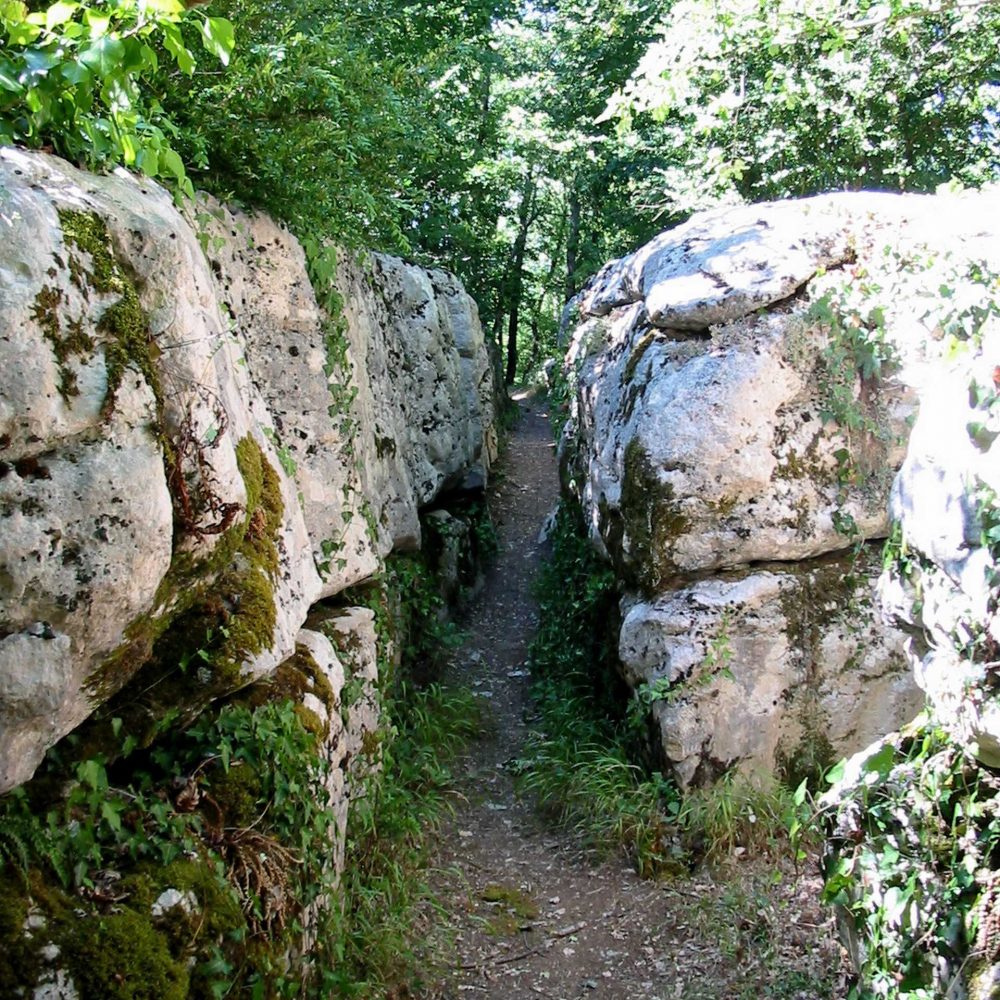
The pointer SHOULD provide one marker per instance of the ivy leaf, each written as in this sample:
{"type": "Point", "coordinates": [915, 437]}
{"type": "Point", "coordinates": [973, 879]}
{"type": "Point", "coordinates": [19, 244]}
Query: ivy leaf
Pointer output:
{"type": "Point", "coordinates": [169, 8]}
{"type": "Point", "coordinates": [218, 37]}
{"type": "Point", "coordinates": [171, 164]}
{"type": "Point", "coordinates": [23, 33]}
{"type": "Point", "coordinates": [110, 814]}
{"type": "Point", "coordinates": [836, 772]}
{"type": "Point", "coordinates": [881, 762]}
{"type": "Point", "coordinates": [7, 81]}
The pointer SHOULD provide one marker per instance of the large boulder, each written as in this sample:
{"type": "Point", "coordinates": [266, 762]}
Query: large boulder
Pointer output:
{"type": "Point", "coordinates": [782, 669]}
{"type": "Point", "coordinates": [192, 452]}
{"type": "Point", "coordinates": [912, 823]}
{"type": "Point", "coordinates": [743, 389]}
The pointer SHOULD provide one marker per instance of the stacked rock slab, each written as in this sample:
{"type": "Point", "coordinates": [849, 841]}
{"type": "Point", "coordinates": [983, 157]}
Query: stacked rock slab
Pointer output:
{"type": "Point", "coordinates": [731, 444]}
{"type": "Point", "coordinates": [178, 420]}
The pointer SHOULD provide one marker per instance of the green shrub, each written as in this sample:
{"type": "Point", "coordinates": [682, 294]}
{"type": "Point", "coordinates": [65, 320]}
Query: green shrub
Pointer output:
{"type": "Point", "coordinates": [82, 77]}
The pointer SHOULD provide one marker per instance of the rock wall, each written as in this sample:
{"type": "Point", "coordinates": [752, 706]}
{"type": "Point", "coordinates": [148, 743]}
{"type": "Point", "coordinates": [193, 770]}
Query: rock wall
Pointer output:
{"type": "Point", "coordinates": [742, 391]}
{"type": "Point", "coordinates": [914, 821]}
{"type": "Point", "coordinates": [192, 454]}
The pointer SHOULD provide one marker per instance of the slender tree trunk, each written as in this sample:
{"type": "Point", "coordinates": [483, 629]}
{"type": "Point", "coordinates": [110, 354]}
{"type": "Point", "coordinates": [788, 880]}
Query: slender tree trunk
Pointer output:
{"type": "Point", "coordinates": [524, 217]}
{"type": "Point", "coordinates": [498, 317]}
{"type": "Point", "coordinates": [572, 244]}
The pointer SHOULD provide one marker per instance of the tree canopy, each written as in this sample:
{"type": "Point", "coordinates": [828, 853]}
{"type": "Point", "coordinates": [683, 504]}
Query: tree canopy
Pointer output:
{"type": "Point", "coordinates": [517, 144]}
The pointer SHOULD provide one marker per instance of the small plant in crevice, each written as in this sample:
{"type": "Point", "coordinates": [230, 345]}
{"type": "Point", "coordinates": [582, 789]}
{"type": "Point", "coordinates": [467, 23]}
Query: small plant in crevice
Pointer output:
{"type": "Point", "coordinates": [424, 632]}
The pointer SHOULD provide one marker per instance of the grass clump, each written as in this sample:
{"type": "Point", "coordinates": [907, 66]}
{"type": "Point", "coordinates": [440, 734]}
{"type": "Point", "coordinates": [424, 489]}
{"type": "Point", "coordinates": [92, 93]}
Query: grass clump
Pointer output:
{"type": "Point", "coordinates": [589, 765]}
{"type": "Point", "coordinates": [582, 763]}
{"type": "Point", "coordinates": [385, 889]}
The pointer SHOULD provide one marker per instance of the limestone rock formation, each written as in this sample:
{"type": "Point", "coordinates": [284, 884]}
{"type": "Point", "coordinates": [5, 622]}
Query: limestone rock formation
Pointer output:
{"type": "Point", "coordinates": [743, 389]}
{"type": "Point", "coordinates": [913, 819]}
{"type": "Point", "coordinates": [192, 451]}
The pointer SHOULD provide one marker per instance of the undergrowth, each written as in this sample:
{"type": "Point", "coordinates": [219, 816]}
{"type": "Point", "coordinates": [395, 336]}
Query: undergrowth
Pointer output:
{"type": "Point", "coordinates": [588, 764]}
{"type": "Point", "coordinates": [231, 814]}
{"type": "Point", "coordinates": [387, 898]}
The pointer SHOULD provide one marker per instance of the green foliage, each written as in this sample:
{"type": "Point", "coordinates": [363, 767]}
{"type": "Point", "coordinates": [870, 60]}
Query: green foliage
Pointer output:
{"type": "Point", "coordinates": [587, 762]}
{"type": "Point", "coordinates": [857, 347]}
{"type": "Point", "coordinates": [578, 764]}
{"type": "Point", "coordinates": [764, 100]}
{"type": "Point", "coordinates": [913, 838]}
{"type": "Point", "coordinates": [738, 812]}
{"type": "Point", "coordinates": [258, 866]}
{"type": "Point", "coordinates": [424, 631]}
{"type": "Point", "coordinates": [83, 78]}
{"type": "Point", "coordinates": [390, 826]}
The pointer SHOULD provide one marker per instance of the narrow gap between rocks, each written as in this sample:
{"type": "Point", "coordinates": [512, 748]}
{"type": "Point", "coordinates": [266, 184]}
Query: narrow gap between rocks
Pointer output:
{"type": "Point", "coordinates": [530, 910]}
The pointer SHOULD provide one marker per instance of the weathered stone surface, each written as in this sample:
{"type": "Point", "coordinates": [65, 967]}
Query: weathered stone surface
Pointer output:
{"type": "Point", "coordinates": [379, 410]}
{"type": "Point", "coordinates": [744, 387]}
{"type": "Point", "coordinates": [260, 272]}
{"type": "Point", "coordinates": [701, 450]}
{"type": "Point", "coordinates": [427, 394]}
{"type": "Point", "coordinates": [724, 264]}
{"type": "Point", "coordinates": [168, 422]}
{"type": "Point", "coordinates": [943, 584]}
{"type": "Point", "coordinates": [778, 670]}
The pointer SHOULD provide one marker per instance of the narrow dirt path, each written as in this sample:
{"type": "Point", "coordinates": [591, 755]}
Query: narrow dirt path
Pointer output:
{"type": "Point", "coordinates": [531, 914]}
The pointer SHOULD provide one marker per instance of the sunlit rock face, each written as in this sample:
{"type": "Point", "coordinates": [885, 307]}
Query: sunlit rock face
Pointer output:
{"type": "Point", "coordinates": [192, 448]}
{"type": "Point", "coordinates": [744, 387]}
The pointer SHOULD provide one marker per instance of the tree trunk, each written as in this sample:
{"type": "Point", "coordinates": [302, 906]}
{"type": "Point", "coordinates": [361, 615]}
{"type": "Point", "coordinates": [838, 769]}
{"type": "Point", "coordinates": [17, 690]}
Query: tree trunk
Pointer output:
{"type": "Point", "coordinates": [572, 244]}
{"type": "Point", "coordinates": [524, 217]}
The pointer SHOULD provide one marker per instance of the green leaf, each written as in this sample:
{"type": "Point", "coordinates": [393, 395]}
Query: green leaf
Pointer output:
{"type": "Point", "coordinates": [7, 81]}
{"type": "Point", "coordinates": [91, 773]}
{"type": "Point", "coordinates": [881, 762]}
{"type": "Point", "coordinates": [218, 37]}
{"type": "Point", "coordinates": [104, 55]}
{"type": "Point", "coordinates": [110, 814]}
{"type": "Point", "coordinates": [169, 8]}
{"type": "Point", "coordinates": [836, 773]}
{"type": "Point", "coordinates": [171, 164]}
{"type": "Point", "coordinates": [98, 23]}
{"type": "Point", "coordinates": [23, 33]}
{"type": "Point", "coordinates": [59, 13]}
{"type": "Point", "coordinates": [173, 41]}
{"type": "Point", "coordinates": [800, 792]}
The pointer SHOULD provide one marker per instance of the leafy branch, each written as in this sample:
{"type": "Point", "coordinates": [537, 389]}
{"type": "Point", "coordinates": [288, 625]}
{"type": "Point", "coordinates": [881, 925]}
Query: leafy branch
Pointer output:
{"type": "Point", "coordinates": [81, 78]}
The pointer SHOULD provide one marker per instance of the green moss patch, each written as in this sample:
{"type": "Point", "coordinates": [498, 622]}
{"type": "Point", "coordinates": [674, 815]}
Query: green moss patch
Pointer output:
{"type": "Point", "coordinates": [212, 616]}
{"type": "Point", "coordinates": [512, 909]}
{"type": "Point", "coordinates": [122, 957]}
{"type": "Point", "coordinates": [128, 343]}
{"type": "Point", "coordinates": [651, 517]}
{"type": "Point", "coordinates": [65, 335]}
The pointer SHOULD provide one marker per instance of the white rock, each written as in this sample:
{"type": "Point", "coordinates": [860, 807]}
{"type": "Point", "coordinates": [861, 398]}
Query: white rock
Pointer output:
{"type": "Point", "coordinates": [169, 899]}
{"type": "Point", "coordinates": [760, 671]}
{"type": "Point", "coordinates": [93, 515]}
{"type": "Point", "coordinates": [56, 985]}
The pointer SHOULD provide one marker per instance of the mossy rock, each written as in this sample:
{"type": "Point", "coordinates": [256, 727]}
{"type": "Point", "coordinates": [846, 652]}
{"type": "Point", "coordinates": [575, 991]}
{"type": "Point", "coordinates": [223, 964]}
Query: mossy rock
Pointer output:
{"type": "Point", "coordinates": [19, 960]}
{"type": "Point", "coordinates": [220, 613]}
{"type": "Point", "coordinates": [124, 326]}
{"type": "Point", "coordinates": [122, 956]}
{"type": "Point", "coordinates": [651, 519]}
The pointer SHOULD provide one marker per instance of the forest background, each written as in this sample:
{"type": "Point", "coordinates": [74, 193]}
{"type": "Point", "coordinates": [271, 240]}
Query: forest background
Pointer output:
{"type": "Point", "coordinates": [520, 145]}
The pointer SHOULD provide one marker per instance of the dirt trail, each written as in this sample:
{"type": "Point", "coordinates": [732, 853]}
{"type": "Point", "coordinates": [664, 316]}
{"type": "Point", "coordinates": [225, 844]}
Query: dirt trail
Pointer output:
{"type": "Point", "coordinates": [531, 914]}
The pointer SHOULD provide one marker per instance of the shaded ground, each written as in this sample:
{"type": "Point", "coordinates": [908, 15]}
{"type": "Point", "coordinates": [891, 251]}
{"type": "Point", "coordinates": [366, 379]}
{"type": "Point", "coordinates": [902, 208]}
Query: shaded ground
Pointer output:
{"type": "Point", "coordinates": [530, 913]}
